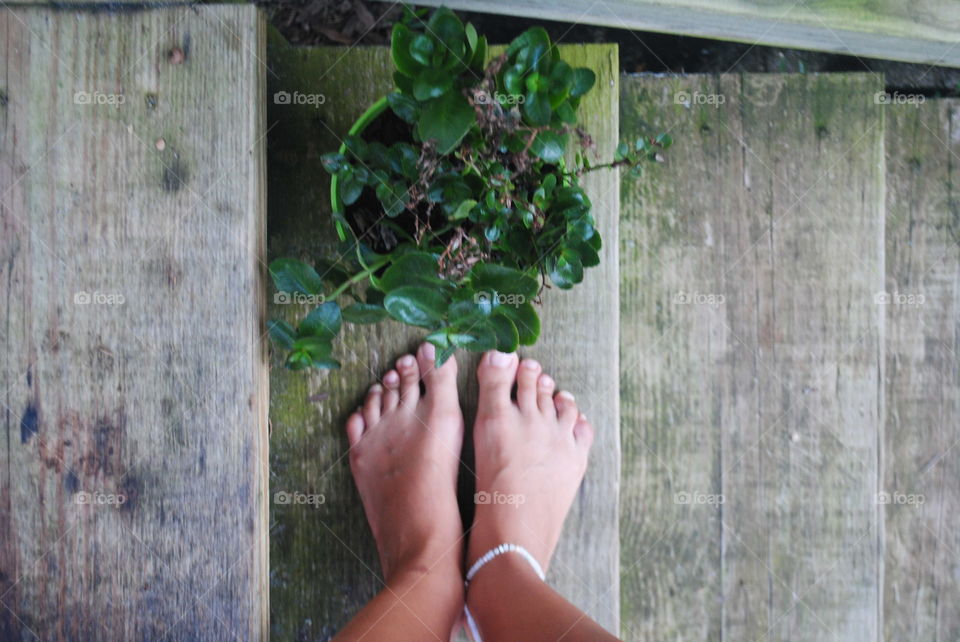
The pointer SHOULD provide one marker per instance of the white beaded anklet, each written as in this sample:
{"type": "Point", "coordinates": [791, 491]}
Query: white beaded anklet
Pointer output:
{"type": "Point", "coordinates": [484, 559]}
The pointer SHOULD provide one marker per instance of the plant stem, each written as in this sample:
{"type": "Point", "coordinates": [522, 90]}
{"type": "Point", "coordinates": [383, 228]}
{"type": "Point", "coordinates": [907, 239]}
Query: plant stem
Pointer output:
{"type": "Point", "coordinates": [356, 278]}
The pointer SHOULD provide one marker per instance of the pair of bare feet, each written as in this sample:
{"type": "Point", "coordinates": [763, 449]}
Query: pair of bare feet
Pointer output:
{"type": "Point", "coordinates": [531, 454]}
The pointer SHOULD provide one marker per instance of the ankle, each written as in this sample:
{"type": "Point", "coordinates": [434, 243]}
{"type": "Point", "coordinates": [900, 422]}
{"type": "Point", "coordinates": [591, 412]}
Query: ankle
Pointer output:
{"type": "Point", "coordinates": [507, 569]}
{"type": "Point", "coordinates": [423, 562]}
{"type": "Point", "coordinates": [487, 534]}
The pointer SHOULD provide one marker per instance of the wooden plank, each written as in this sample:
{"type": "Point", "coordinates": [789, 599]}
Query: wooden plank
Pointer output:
{"type": "Point", "coordinates": [802, 429]}
{"type": "Point", "coordinates": [134, 379]}
{"type": "Point", "coordinates": [924, 32]}
{"type": "Point", "coordinates": [670, 230]}
{"type": "Point", "coordinates": [922, 456]}
{"type": "Point", "coordinates": [782, 408]}
{"type": "Point", "coordinates": [324, 564]}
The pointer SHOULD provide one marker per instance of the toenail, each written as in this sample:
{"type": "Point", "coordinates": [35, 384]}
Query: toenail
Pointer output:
{"type": "Point", "coordinates": [566, 395]}
{"type": "Point", "coordinates": [583, 417]}
{"type": "Point", "coordinates": [530, 364]}
{"type": "Point", "coordinates": [546, 381]}
{"type": "Point", "coordinates": [428, 351]}
{"type": "Point", "coordinates": [391, 378]}
{"type": "Point", "coordinates": [406, 361]}
{"type": "Point", "coordinates": [500, 359]}
{"type": "Point", "coordinates": [376, 388]}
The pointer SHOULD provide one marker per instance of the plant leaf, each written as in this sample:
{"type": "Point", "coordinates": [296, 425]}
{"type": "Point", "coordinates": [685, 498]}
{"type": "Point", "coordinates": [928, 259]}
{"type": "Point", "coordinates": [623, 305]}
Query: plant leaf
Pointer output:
{"type": "Point", "coordinates": [463, 209]}
{"type": "Point", "coordinates": [421, 49]}
{"type": "Point", "coordinates": [323, 322]}
{"type": "Point", "coordinates": [415, 268]}
{"type": "Point", "coordinates": [583, 81]}
{"type": "Point", "coordinates": [507, 336]}
{"type": "Point", "coordinates": [405, 107]}
{"type": "Point", "coordinates": [416, 306]}
{"type": "Point", "coordinates": [549, 146]}
{"type": "Point", "coordinates": [446, 120]}
{"type": "Point", "coordinates": [431, 83]}
{"type": "Point", "coordinates": [536, 107]}
{"type": "Point", "coordinates": [364, 313]}
{"type": "Point", "coordinates": [500, 279]}
{"type": "Point", "coordinates": [525, 318]}
{"type": "Point", "coordinates": [565, 270]}
{"type": "Point", "coordinates": [310, 352]}
{"type": "Point", "coordinates": [400, 40]}
{"type": "Point", "coordinates": [282, 333]}
{"type": "Point", "coordinates": [291, 275]}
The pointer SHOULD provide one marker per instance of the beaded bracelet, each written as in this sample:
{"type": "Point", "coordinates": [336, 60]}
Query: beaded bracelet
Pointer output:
{"type": "Point", "coordinates": [484, 559]}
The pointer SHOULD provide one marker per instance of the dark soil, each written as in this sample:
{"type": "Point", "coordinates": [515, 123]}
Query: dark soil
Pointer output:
{"type": "Point", "coordinates": [349, 22]}
{"type": "Point", "coordinates": [366, 214]}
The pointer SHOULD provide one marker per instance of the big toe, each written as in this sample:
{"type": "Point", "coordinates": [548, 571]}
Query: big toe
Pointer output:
{"type": "Point", "coordinates": [495, 376]}
{"type": "Point", "coordinates": [440, 383]}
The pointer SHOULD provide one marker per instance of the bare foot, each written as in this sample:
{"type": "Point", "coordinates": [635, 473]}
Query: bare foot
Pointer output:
{"type": "Point", "coordinates": [531, 455]}
{"type": "Point", "coordinates": [404, 454]}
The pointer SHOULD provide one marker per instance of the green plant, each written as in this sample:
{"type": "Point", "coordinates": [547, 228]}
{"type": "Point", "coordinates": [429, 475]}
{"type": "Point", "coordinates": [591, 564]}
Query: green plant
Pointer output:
{"type": "Point", "coordinates": [479, 208]}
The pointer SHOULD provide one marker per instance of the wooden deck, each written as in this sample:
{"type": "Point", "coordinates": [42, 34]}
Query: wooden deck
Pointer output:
{"type": "Point", "coordinates": [788, 364]}
{"type": "Point", "coordinates": [133, 383]}
{"type": "Point", "coordinates": [772, 341]}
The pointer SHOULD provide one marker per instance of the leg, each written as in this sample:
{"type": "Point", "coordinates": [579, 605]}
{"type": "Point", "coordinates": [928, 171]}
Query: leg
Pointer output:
{"type": "Point", "coordinates": [404, 451]}
{"type": "Point", "coordinates": [534, 452]}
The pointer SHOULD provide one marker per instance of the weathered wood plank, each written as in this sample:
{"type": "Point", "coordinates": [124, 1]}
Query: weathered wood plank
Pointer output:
{"type": "Point", "coordinates": [925, 32]}
{"type": "Point", "coordinates": [781, 216]}
{"type": "Point", "coordinates": [921, 456]}
{"type": "Point", "coordinates": [323, 558]}
{"type": "Point", "coordinates": [671, 226]}
{"type": "Point", "coordinates": [801, 424]}
{"type": "Point", "coordinates": [132, 285]}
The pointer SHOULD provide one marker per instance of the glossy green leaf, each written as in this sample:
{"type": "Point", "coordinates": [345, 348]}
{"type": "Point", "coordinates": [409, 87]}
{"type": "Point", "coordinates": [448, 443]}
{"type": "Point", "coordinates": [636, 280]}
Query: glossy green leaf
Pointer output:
{"type": "Point", "coordinates": [291, 275]}
{"type": "Point", "coordinates": [566, 113]}
{"type": "Point", "coordinates": [323, 322]}
{"type": "Point", "coordinates": [364, 313]}
{"type": "Point", "coordinates": [525, 318]}
{"type": "Point", "coordinates": [565, 270]}
{"type": "Point", "coordinates": [416, 306]}
{"type": "Point", "coordinates": [431, 83]}
{"type": "Point", "coordinates": [446, 120]}
{"type": "Point", "coordinates": [549, 146]}
{"type": "Point", "coordinates": [333, 162]}
{"type": "Point", "coordinates": [471, 33]}
{"type": "Point", "coordinates": [491, 277]}
{"type": "Point", "coordinates": [463, 209]}
{"type": "Point", "coordinates": [415, 268]}
{"type": "Point", "coordinates": [349, 185]}
{"type": "Point", "coordinates": [311, 352]}
{"type": "Point", "coordinates": [400, 41]}
{"type": "Point", "coordinates": [405, 107]}
{"type": "Point", "coordinates": [508, 339]}
{"type": "Point", "coordinates": [536, 107]}
{"type": "Point", "coordinates": [282, 333]}
{"type": "Point", "coordinates": [583, 81]}
{"type": "Point", "coordinates": [513, 80]}
{"type": "Point", "coordinates": [393, 197]}
{"type": "Point", "coordinates": [421, 49]}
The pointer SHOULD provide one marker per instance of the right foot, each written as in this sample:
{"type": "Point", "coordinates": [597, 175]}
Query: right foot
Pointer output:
{"type": "Point", "coordinates": [404, 454]}
{"type": "Point", "coordinates": [531, 455]}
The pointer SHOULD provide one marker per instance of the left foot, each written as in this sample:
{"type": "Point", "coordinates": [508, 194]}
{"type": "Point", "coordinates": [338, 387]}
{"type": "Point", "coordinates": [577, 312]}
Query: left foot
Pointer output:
{"type": "Point", "coordinates": [404, 454]}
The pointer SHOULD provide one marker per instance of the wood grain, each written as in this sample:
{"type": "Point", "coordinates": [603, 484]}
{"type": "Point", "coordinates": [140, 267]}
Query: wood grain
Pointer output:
{"type": "Point", "coordinates": [921, 597]}
{"type": "Point", "coordinates": [324, 564]}
{"type": "Point", "coordinates": [925, 31]}
{"type": "Point", "coordinates": [758, 350]}
{"type": "Point", "coordinates": [670, 351]}
{"type": "Point", "coordinates": [132, 287]}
